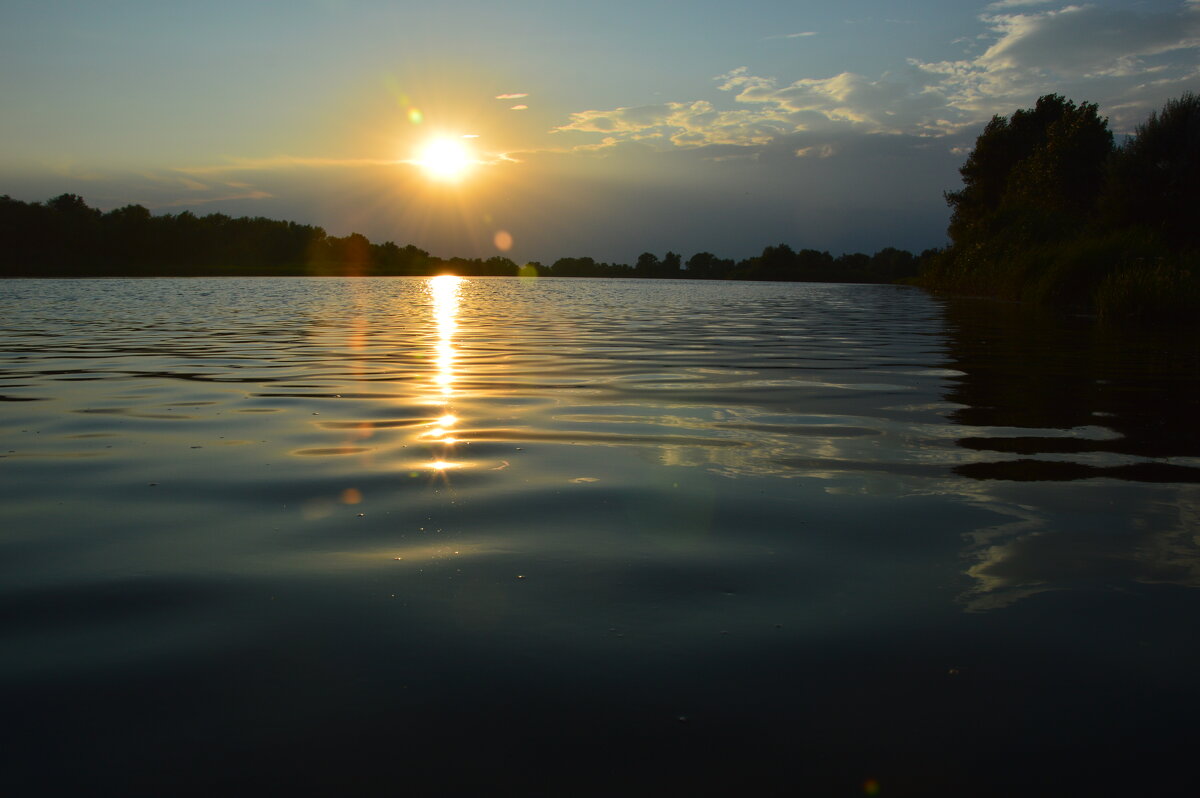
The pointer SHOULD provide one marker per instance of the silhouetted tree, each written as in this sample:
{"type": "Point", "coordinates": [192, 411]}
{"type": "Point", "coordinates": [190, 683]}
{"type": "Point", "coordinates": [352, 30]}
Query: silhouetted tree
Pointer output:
{"type": "Point", "coordinates": [671, 265]}
{"type": "Point", "coordinates": [647, 265]}
{"type": "Point", "coordinates": [853, 267]}
{"type": "Point", "coordinates": [1050, 212]}
{"type": "Point", "coordinates": [500, 266]}
{"type": "Point", "coordinates": [1032, 174]}
{"type": "Point", "coordinates": [707, 266]}
{"type": "Point", "coordinates": [889, 265]}
{"type": "Point", "coordinates": [573, 267]}
{"type": "Point", "coordinates": [1154, 181]}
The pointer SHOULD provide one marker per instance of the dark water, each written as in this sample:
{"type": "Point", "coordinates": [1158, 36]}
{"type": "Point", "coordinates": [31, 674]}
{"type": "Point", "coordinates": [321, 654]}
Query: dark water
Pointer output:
{"type": "Point", "coordinates": [268, 536]}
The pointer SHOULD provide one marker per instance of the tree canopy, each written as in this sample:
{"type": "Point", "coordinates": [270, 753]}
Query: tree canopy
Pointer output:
{"type": "Point", "coordinates": [1154, 179]}
{"type": "Point", "coordinates": [1036, 174]}
{"type": "Point", "coordinates": [1050, 210]}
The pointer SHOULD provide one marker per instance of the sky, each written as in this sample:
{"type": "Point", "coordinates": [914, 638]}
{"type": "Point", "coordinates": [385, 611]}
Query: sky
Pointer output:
{"type": "Point", "coordinates": [589, 129]}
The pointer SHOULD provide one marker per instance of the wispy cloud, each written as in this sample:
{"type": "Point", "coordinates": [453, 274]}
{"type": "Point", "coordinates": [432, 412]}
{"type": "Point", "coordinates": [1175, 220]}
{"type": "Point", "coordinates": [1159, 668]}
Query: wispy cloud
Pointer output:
{"type": "Point", "coordinates": [1001, 4]}
{"type": "Point", "coordinates": [519, 108]}
{"type": "Point", "coordinates": [253, 194]}
{"type": "Point", "coordinates": [282, 161]}
{"type": "Point", "coordinates": [174, 188]}
{"type": "Point", "coordinates": [801, 35]}
{"type": "Point", "coordinates": [516, 96]}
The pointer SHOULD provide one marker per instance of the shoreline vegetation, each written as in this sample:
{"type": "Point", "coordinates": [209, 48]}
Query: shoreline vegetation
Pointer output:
{"type": "Point", "coordinates": [1051, 212]}
{"type": "Point", "coordinates": [64, 237]}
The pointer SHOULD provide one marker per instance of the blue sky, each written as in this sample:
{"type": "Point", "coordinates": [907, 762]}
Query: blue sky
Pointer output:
{"type": "Point", "coordinates": [596, 129]}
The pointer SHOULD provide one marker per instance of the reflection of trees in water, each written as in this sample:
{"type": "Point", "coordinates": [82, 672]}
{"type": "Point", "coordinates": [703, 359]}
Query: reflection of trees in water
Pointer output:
{"type": "Point", "coordinates": [1129, 396]}
{"type": "Point", "coordinates": [1127, 403]}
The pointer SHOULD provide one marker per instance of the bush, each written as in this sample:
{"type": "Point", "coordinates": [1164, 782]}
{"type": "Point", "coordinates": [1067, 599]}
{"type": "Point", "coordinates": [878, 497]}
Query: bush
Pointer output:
{"type": "Point", "coordinates": [1159, 292]}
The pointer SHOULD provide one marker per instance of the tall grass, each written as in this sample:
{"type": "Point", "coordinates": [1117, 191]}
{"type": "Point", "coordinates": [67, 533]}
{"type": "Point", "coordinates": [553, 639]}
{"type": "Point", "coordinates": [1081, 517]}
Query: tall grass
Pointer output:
{"type": "Point", "coordinates": [1161, 293]}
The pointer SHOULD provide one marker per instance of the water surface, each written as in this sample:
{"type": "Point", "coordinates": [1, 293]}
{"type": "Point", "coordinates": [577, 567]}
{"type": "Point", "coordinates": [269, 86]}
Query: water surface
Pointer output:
{"type": "Point", "coordinates": [584, 536]}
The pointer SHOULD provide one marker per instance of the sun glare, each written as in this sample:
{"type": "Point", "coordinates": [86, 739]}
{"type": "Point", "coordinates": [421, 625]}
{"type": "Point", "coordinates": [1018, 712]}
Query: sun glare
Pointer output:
{"type": "Point", "coordinates": [445, 158]}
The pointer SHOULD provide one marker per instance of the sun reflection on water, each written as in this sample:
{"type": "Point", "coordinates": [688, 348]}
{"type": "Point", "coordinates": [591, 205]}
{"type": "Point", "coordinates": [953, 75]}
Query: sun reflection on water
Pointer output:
{"type": "Point", "coordinates": [444, 292]}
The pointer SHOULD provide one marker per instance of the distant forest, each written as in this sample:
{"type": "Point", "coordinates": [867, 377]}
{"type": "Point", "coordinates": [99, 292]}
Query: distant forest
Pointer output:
{"type": "Point", "coordinates": [64, 237]}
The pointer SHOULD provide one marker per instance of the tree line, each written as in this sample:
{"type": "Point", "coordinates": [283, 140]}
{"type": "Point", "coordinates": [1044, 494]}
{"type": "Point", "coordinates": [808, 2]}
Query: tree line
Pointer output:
{"type": "Point", "coordinates": [1053, 211]}
{"type": "Point", "coordinates": [64, 237]}
{"type": "Point", "coordinates": [778, 262]}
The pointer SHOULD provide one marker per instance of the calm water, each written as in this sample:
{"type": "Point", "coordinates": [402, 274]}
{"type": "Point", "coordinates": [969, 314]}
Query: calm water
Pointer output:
{"type": "Point", "coordinates": [407, 536]}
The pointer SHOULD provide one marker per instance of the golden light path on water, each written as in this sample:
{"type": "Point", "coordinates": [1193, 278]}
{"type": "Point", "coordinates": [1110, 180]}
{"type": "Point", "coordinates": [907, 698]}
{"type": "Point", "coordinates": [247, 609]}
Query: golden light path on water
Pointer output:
{"type": "Point", "coordinates": [444, 291]}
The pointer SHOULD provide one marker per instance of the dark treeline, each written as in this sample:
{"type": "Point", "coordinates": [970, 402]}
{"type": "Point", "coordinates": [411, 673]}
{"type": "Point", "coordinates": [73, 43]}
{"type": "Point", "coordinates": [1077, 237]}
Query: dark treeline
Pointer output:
{"type": "Point", "coordinates": [63, 237]}
{"type": "Point", "coordinates": [775, 263]}
{"type": "Point", "coordinates": [1053, 212]}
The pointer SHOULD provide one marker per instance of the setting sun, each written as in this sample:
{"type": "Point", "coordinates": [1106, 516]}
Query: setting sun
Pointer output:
{"type": "Point", "coordinates": [445, 158]}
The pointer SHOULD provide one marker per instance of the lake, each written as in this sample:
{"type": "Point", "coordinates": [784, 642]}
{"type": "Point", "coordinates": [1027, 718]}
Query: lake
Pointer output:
{"type": "Point", "coordinates": [574, 537]}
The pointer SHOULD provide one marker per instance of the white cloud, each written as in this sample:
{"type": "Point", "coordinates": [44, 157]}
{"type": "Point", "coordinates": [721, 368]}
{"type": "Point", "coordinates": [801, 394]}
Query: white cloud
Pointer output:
{"type": "Point", "coordinates": [1084, 40]}
{"type": "Point", "coordinates": [765, 111]}
{"type": "Point", "coordinates": [1128, 62]}
{"type": "Point", "coordinates": [1107, 55]}
{"type": "Point", "coordinates": [694, 124]}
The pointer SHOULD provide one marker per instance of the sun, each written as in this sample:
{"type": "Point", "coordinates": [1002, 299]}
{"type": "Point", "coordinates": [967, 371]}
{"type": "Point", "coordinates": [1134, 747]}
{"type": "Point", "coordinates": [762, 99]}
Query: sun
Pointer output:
{"type": "Point", "coordinates": [445, 158]}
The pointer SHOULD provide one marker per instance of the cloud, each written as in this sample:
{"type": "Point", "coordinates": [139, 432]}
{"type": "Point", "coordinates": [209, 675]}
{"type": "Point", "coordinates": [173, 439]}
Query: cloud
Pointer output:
{"type": "Point", "coordinates": [510, 96]}
{"type": "Point", "coordinates": [1016, 4]}
{"type": "Point", "coordinates": [801, 35]}
{"type": "Point", "coordinates": [765, 111]}
{"type": "Point", "coordinates": [282, 162]}
{"type": "Point", "coordinates": [682, 124]}
{"type": "Point", "coordinates": [1085, 40]}
{"type": "Point", "coordinates": [1129, 62]}
{"type": "Point", "coordinates": [887, 104]}
{"type": "Point", "coordinates": [1126, 60]}
{"type": "Point", "coordinates": [253, 194]}
{"type": "Point", "coordinates": [519, 108]}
